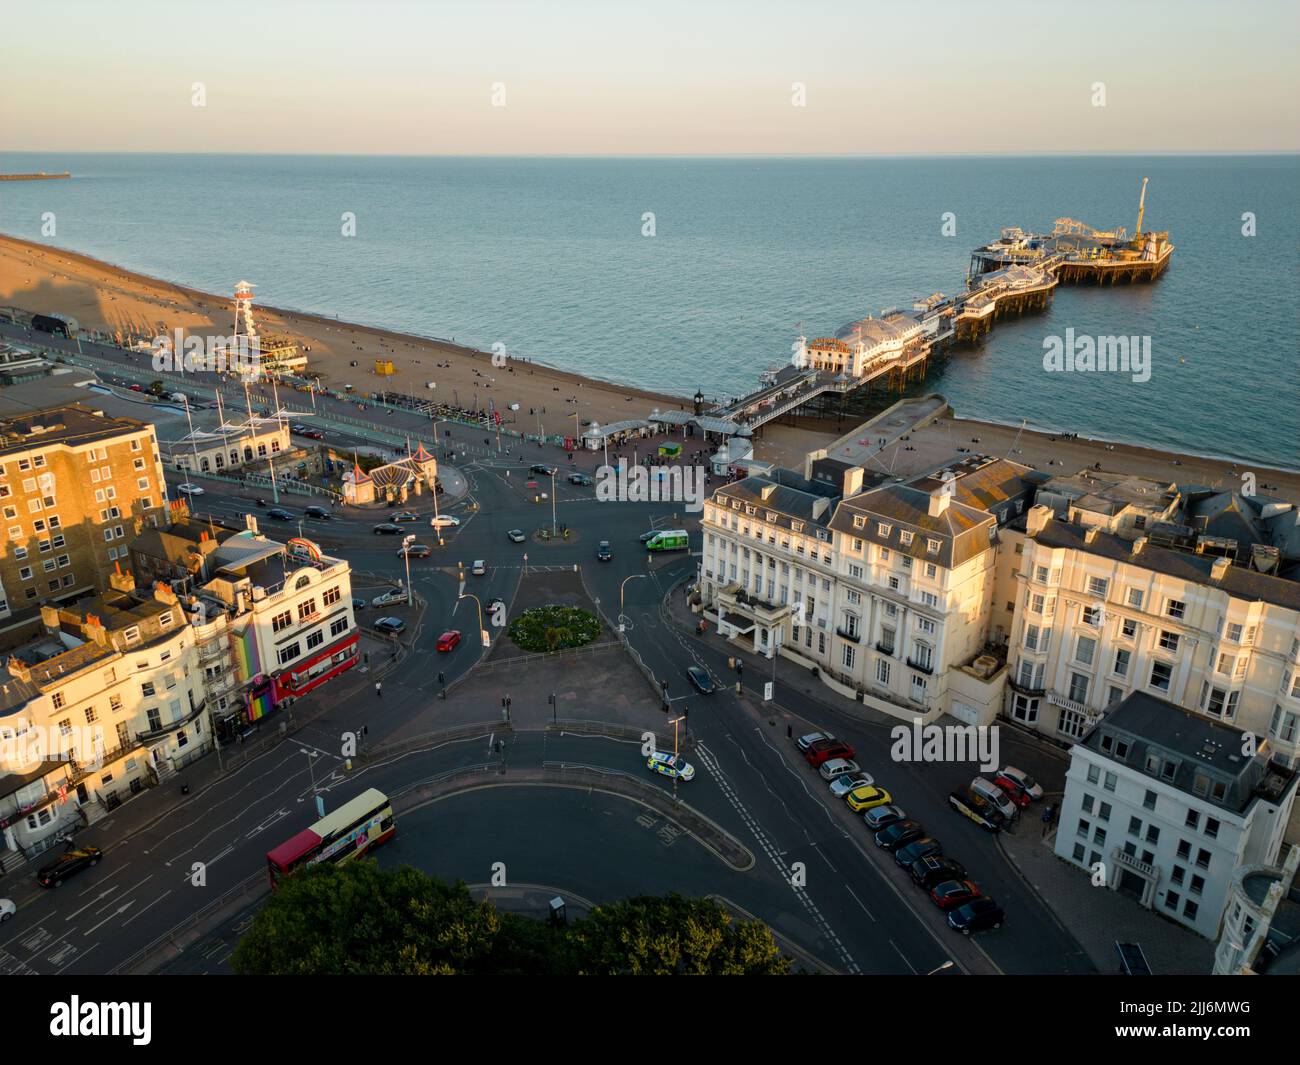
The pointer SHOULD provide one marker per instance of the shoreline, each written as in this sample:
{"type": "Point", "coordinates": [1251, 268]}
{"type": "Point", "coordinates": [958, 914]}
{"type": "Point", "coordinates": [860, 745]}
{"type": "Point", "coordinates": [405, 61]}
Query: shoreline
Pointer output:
{"type": "Point", "coordinates": [92, 285]}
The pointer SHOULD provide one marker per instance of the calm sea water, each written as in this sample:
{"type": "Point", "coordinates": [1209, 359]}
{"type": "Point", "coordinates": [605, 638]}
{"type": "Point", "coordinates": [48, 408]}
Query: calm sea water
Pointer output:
{"type": "Point", "coordinates": [547, 257]}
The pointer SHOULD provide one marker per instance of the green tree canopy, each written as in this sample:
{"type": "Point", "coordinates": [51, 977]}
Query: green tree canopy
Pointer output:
{"type": "Point", "coordinates": [357, 919]}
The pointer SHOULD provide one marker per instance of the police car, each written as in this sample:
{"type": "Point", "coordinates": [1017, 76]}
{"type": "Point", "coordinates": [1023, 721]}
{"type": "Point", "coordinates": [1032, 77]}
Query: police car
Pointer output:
{"type": "Point", "coordinates": [670, 765]}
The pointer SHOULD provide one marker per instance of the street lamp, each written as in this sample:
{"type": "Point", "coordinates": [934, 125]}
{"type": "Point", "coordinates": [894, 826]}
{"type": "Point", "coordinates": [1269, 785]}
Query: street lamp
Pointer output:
{"type": "Point", "coordinates": [555, 710]}
{"type": "Point", "coordinates": [407, 541]}
{"type": "Point", "coordinates": [483, 633]}
{"type": "Point", "coordinates": [554, 530]}
{"type": "Point", "coordinates": [941, 968]}
{"type": "Point", "coordinates": [674, 722]}
{"type": "Point", "coordinates": [633, 577]}
{"type": "Point", "coordinates": [311, 764]}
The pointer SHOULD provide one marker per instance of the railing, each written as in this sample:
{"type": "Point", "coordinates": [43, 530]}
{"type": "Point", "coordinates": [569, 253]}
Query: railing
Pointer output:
{"type": "Point", "coordinates": [1151, 872]}
{"type": "Point", "coordinates": [920, 668]}
{"type": "Point", "coordinates": [845, 634]}
{"type": "Point", "coordinates": [1057, 699]}
{"type": "Point", "coordinates": [885, 648]}
{"type": "Point", "coordinates": [149, 735]}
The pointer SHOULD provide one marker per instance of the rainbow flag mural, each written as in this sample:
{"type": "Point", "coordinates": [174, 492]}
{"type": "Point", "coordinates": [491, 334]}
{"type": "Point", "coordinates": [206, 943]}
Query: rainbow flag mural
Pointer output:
{"type": "Point", "coordinates": [261, 705]}
{"type": "Point", "coordinates": [250, 664]}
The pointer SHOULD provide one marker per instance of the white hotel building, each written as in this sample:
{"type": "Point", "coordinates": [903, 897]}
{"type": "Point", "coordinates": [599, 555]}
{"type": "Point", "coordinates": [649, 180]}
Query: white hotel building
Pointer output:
{"type": "Point", "coordinates": [1169, 805]}
{"type": "Point", "coordinates": [895, 579]}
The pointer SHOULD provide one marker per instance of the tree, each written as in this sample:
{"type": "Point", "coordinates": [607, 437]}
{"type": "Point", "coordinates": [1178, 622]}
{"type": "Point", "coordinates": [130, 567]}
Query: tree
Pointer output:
{"type": "Point", "coordinates": [359, 919]}
{"type": "Point", "coordinates": [673, 935]}
{"type": "Point", "coordinates": [356, 919]}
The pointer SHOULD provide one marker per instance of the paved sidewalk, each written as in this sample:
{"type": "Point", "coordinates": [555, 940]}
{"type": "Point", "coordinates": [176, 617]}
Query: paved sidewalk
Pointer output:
{"type": "Point", "coordinates": [1097, 917]}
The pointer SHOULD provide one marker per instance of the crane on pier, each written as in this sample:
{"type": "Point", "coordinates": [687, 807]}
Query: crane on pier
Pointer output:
{"type": "Point", "coordinates": [1142, 204]}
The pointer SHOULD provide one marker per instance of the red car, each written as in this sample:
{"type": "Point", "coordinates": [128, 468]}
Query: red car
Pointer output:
{"type": "Point", "coordinates": [1014, 790]}
{"type": "Point", "coordinates": [824, 750]}
{"type": "Point", "coordinates": [313, 434]}
{"type": "Point", "coordinates": [448, 640]}
{"type": "Point", "coordinates": [954, 893]}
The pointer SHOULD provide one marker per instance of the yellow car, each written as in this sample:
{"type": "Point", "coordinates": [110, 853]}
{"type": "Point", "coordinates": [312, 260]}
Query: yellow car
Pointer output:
{"type": "Point", "coordinates": [867, 798]}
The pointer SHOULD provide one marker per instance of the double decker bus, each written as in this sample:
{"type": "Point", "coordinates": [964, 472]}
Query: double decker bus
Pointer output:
{"type": "Point", "coordinates": [351, 831]}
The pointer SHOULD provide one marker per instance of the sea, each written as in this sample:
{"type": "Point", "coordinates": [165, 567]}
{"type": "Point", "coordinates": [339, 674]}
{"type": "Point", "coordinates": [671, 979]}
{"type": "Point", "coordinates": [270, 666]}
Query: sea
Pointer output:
{"type": "Point", "coordinates": [677, 274]}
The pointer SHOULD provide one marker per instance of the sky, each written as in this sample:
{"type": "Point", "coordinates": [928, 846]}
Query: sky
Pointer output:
{"type": "Point", "coordinates": [704, 77]}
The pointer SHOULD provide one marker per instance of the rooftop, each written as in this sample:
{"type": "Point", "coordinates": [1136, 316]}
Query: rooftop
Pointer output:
{"type": "Point", "coordinates": [1195, 754]}
{"type": "Point", "coordinates": [72, 425]}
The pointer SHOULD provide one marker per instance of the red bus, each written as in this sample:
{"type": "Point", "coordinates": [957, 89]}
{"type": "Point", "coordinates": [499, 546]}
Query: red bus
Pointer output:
{"type": "Point", "coordinates": [351, 831]}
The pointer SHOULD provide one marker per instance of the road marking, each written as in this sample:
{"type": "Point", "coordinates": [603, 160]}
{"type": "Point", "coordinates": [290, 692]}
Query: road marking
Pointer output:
{"type": "Point", "coordinates": [860, 902]}
{"type": "Point", "coordinates": [775, 855]}
{"type": "Point", "coordinates": [150, 906]}
{"type": "Point", "coordinates": [904, 957]}
{"type": "Point", "coordinates": [116, 913]}
{"type": "Point", "coordinates": [92, 902]}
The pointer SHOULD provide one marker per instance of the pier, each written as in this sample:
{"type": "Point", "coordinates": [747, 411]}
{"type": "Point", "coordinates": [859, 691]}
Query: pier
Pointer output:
{"type": "Point", "coordinates": [1016, 274]}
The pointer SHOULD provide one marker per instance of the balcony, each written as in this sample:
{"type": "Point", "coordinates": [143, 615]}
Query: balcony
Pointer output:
{"type": "Point", "coordinates": [1151, 872]}
{"type": "Point", "coordinates": [920, 668]}
{"type": "Point", "coordinates": [845, 634]}
{"type": "Point", "coordinates": [1057, 699]}
{"type": "Point", "coordinates": [1022, 689]}
{"type": "Point", "coordinates": [885, 648]}
{"type": "Point", "coordinates": [149, 735]}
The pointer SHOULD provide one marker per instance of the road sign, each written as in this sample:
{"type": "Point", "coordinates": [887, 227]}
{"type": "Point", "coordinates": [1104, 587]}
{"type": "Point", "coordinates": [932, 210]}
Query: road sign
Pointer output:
{"type": "Point", "coordinates": [767, 692]}
{"type": "Point", "coordinates": [320, 805]}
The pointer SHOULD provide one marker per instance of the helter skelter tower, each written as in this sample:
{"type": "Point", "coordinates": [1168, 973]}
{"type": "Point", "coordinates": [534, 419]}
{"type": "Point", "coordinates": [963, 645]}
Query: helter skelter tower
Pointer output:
{"type": "Point", "coordinates": [264, 353]}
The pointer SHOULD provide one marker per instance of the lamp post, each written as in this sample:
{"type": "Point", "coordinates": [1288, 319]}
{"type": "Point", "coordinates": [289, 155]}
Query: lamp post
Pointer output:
{"type": "Point", "coordinates": [941, 968]}
{"type": "Point", "coordinates": [311, 765]}
{"type": "Point", "coordinates": [674, 722]}
{"type": "Point", "coordinates": [633, 577]}
{"type": "Point", "coordinates": [407, 541]}
{"type": "Point", "coordinates": [554, 530]}
{"type": "Point", "coordinates": [483, 634]}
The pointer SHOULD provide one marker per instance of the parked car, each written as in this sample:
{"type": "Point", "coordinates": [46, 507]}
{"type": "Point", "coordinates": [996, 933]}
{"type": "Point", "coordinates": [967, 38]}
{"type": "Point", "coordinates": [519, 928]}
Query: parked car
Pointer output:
{"type": "Point", "coordinates": [950, 893]}
{"type": "Point", "coordinates": [999, 799]}
{"type": "Point", "coordinates": [405, 515]}
{"type": "Point", "coordinates": [973, 805]}
{"type": "Point", "coordinates": [604, 552]}
{"type": "Point", "coordinates": [935, 869]}
{"type": "Point", "coordinates": [448, 640]}
{"type": "Point", "coordinates": [392, 626]}
{"type": "Point", "coordinates": [414, 551]}
{"type": "Point", "coordinates": [317, 512]}
{"type": "Point", "coordinates": [579, 479]}
{"type": "Point", "coordinates": [389, 598]}
{"type": "Point", "coordinates": [976, 915]}
{"type": "Point", "coordinates": [516, 536]}
{"type": "Point", "coordinates": [445, 521]}
{"type": "Point", "coordinates": [861, 799]}
{"type": "Point", "coordinates": [313, 434]}
{"type": "Point", "coordinates": [701, 679]}
{"type": "Point", "coordinates": [841, 786]}
{"type": "Point", "coordinates": [807, 740]}
{"type": "Point", "coordinates": [189, 489]}
{"type": "Point", "coordinates": [359, 604]}
{"type": "Point", "coordinates": [916, 850]}
{"type": "Point", "coordinates": [899, 834]}
{"type": "Point", "coordinates": [279, 514]}
{"type": "Point", "coordinates": [1015, 781]}
{"type": "Point", "coordinates": [670, 765]}
{"type": "Point", "coordinates": [70, 862]}
{"type": "Point", "coordinates": [824, 750]}
{"type": "Point", "coordinates": [883, 817]}
{"type": "Point", "coordinates": [387, 528]}
{"type": "Point", "coordinates": [837, 767]}
{"type": "Point", "coordinates": [7, 910]}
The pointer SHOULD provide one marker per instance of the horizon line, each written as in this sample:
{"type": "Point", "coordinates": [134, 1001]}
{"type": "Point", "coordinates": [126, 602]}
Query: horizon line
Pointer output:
{"type": "Point", "coordinates": [1048, 153]}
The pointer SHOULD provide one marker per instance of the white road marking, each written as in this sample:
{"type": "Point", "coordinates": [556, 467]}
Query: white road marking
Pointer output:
{"type": "Point", "coordinates": [92, 902]}
{"type": "Point", "coordinates": [150, 906]}
{"type": "Point", "coordinates": [116, 913]}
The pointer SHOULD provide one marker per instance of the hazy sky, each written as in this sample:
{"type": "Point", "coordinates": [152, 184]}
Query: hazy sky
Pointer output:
{"type": "Point", "coordinates": [664, 77]}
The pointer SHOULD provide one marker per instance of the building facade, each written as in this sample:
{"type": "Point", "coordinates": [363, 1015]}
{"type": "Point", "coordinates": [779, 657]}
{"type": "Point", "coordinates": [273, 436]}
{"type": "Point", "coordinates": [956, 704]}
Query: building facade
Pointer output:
{"type": "Point", "coordinates": [75, 488]}
{"type": "Point", "coordinates": [1166, 806]}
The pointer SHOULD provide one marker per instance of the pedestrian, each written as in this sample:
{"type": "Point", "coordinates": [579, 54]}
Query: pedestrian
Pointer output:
{"type": "Point", "coordinates": [379, 690]}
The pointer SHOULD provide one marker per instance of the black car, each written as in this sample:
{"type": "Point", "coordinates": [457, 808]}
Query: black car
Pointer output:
{"type": "Point", "coordinates": [935, 870]}
{"type": "Point", "coordinates": [604, 552]}
{"type": "Point", "coordinates": [387, 528]}
{"type": "Point", "coordinates": [279, 515]}
{"type": "Point", "coordinates": [319, 513]}
{"type": "Point", "coordinates": [698, 677]}
{"type": "Point", "coordinates": [260, 501]}
{"type": "Point", "coordinates": [359, 604]}
{"type": "Point", "coordinates": [405, 515]}
{"type": "Point", "coordinates": [66, 864]}
{"type": "Point", "coordinates": [392, 626]}
{"type": "Point", "coordinates": [899, 834]}
{"type": "Point", "coordinates": [542, 470]}
{"type": "Point", "coordinates": [976, 915]}
{"type": "Point", "coordinates": [969, 804]}
{"type": "Point", "coordinates": [916, 850]}
{"type": "Point", "coordinates": [579, 479]}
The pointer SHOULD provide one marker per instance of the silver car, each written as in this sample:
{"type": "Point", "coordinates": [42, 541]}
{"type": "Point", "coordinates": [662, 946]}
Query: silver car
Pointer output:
{"type": "Point", "coordinates": [838, 767]}
{"type": "Point", "coordinates": [842, 785]}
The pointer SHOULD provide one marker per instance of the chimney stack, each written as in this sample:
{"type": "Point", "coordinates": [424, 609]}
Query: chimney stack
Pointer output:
{"type": "Point", "coordinates": [1036, 519]}
{"type": "Point", "coordinates": [122, 582]}
{"type": "Point", "coordinates": [1139, 544]}
{"type": "Point", "coordinates": [1219, 568]}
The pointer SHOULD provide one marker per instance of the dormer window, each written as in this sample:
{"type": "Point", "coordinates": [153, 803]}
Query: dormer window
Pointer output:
{"type": "Point", "coordinates": [932, 546]}
{"type": "Point", "coordinates": [905, 538]}
{"type": "Point", "coordinates": [859, 522]}
{"type": "Point", "coordinates": [883, 529]}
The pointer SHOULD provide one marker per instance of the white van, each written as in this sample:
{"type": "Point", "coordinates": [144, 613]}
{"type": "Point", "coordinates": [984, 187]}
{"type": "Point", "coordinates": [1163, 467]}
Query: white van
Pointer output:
{"type": "Point", "coordinates": [986, 789]}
